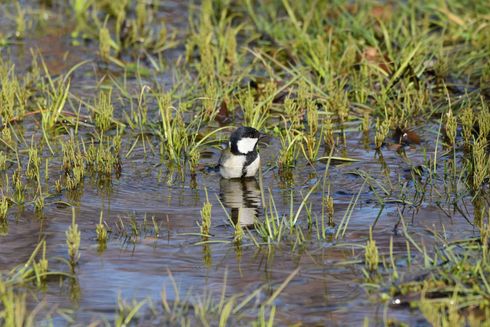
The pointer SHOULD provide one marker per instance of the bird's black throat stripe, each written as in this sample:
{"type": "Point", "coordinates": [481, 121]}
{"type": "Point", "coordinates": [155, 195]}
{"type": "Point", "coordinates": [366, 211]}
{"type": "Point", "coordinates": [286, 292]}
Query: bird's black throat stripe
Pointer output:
{"type": "Point", "coordinates": [249, 158]}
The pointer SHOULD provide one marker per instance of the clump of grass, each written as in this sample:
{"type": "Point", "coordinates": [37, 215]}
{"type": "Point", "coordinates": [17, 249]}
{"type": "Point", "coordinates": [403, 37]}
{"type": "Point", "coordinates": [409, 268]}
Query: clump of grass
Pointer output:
{"type": "Point", "coordinates": [224, 310]}
{"type": "Point", "coordinates": [73, 164]}
{"type": "Point", "coordinates": [193, 158]}
{"type": "Point", "coordinates": [371, 254]}
{"type": "Point", "coordinates": [481, 166]}
{"type": "Point", "coordinates": [104, 110]}
{"type": "Point", "coordinates": [101, 231]}
{"type": "Point", "coordinates": [143, 15]}
{"type": "Point", "coordinates": [106, 44]}
{"type": "Point", "coordinates": [210, 102]}
{"type": "Point", "coordinates": [42, 265]}
{"type": "Point", "coordinates": [3, 161]}
{"type": "Point", "coordinates": [330, 209]}
{"type": "Point", "coordinates": [12, 94]}
{"type": "Point", "coordinates": [484, 120]}
{"type": "Point", "coordinates": [311, 139]}
{"type": "Point", "coordinates": [277, 226]}
{"type": "Point", "coordinates": [206, 216]}
{"type": "Point", "coordinates": [455, 292]}
{"type": "Point", "coordinates": [382, 130]}
{"type": "Point", "coordinates": [127, 312]}
{"type": "Point", "coordinates": [33, 163]}
{"type": "Point", "coordinates": [20, 21]}
{"type": "Point", "coordinates": [103, 158]}
{"type": "Point", "coordinates": [467, 122]}
{"type": "Point", "coordinates": [39, 203]}
{"type": "Point", "coordinates": [451, 127]}
{"type": "Point", "coordinates": [14, 310]}
{"type": "Point", "coordinates": [338, 101]}
{"type": "Point", "coordinates": [180, 143]}
{"type": "Point", "coordinates": [134, 25]}
{"type": "Point", "coordinates": [173, 135]}
{"type": "Point", "coordinates": [55, 95]}
{"type": "Point", "coordinates": [7, 136]}
{"type": "Point", "coordinates": [58, 185]}
{"type": "Point", "coordinates": [288, 153]}
{"type": "Point", "coordinates": [293, 112]}
{"type": "Point", "coordinates": [19, 186]}
{"type": "Point", "coordinates": [256, 114]}
{"type": "Point", "coordinates": [14, 298]}
{"type": "Point", "coordinates": [4, 207]}
{"type": "Point", "coordinates": [239, 233]}
{"type": "Point", "coordinates": [73, 242]}
{"type": "Point", "coordinates": [328, 135]}
{"type": "Point", "coordinates": [80, 9]}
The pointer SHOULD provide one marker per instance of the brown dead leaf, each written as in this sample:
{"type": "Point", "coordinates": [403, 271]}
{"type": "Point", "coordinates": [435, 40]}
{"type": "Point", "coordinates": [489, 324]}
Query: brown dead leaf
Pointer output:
{"type": "Point", "coordinates": [374, 57]}
{"type": "Point", "coordinates": [382, 12]}
{"type": "Point", "coordinates": [223, 115]}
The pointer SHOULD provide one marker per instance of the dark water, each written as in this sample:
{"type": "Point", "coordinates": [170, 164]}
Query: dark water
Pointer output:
{"type": "Point", "coordinates": [138, 267]}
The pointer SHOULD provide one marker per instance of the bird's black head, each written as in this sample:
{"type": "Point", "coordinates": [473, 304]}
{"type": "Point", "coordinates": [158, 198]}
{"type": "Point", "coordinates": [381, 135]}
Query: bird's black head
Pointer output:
{"type": "Point", "coordinates": [244, 140]}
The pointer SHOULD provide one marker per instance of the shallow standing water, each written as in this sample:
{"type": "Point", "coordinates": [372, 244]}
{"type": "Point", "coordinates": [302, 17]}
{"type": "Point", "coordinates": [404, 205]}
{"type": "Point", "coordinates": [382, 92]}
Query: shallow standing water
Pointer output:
{"type": "Point", "coordinates": [138, 268]}
{"type": "Point", "coordinates": [326, 288]}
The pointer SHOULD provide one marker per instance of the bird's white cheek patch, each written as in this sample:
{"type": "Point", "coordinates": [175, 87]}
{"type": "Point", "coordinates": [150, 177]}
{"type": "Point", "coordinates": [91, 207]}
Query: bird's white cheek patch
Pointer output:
{"type": "Point", "coordinates": [246, 144]}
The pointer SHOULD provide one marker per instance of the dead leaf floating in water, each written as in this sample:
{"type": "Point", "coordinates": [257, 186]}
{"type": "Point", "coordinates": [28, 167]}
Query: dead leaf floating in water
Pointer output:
{"type": "Point", "coordinates": [406, 137]}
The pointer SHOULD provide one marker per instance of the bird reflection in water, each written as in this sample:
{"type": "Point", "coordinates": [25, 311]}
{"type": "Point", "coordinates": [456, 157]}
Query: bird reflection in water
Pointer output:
{"type": "Point", "coordinates": [242, 196]}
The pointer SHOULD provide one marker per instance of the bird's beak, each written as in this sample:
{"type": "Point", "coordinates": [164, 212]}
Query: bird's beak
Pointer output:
{"type": "Point", "coordinates": [262, 136]}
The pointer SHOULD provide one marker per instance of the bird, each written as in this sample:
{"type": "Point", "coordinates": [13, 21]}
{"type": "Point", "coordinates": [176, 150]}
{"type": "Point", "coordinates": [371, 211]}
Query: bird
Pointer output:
{"type": "Point", "coordinates": [243, 197]}
{"type": "Point", "coordinates": [241, 158]}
